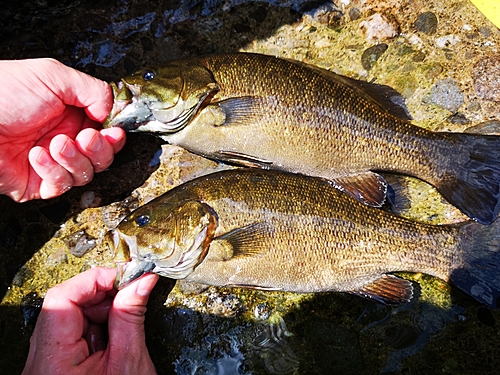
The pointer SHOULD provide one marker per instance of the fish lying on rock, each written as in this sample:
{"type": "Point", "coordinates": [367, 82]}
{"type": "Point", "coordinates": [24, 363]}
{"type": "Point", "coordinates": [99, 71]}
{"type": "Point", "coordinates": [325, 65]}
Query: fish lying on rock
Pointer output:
{"type": "Point", "coordinates": [272, 113]}
{"type": "Point", "coordinates": [280, 231]}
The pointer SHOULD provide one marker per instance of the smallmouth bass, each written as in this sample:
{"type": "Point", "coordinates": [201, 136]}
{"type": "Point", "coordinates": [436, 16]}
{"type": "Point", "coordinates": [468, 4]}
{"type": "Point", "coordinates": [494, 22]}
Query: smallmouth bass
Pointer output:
{"type": "Point", "coordinates": [261, 111]}
{"type": "Point", "coordinates": [274, 230]}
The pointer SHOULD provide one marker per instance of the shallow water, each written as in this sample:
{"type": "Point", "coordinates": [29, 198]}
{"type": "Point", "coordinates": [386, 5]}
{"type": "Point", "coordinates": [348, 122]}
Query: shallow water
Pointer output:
{"type": "Point", "coordinates": [431, 53]}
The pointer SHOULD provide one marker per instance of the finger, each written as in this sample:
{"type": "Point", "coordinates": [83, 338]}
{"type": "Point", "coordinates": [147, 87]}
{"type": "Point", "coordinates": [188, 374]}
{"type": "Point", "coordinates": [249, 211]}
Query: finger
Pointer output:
{"type": "Point", "coordinates": [126, 317]}
{"type": "Point", "coordinates": [65, 152]}
{"type": "Point", "coordinates": [96, 338]}
{"type": "Point", "coordinates": [96, 148]}
{"type": "Point", "coordinates": [55, 180]}
{"type": "Point", "coordinates": [116, 138]}
{"type": "Point", "coordinates": [74, 87]}
{"type": "Point", "coordinates": [62, 306]}
{"type": "Point", "coordinates": [98, 313]}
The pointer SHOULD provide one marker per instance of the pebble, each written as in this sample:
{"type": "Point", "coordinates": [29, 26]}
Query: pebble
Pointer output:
{"type": "Point", "coordinates": [447, 40]}
{"type": "Point", "coordinates": [486, 76]}
{"type": "Point", "coordinates": [446, 94]}
{"type": "Point", "coordinates": [379, 27]}
{"type": "Point", "coordinates": [427, 23]}
{"type": "Point", "coordinates": [372, 54]}
{"type": "Point", "coordinates": [79, 243]}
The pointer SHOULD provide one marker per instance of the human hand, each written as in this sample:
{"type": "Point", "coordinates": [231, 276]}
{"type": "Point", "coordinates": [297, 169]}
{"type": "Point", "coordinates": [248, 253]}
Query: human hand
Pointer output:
{"type": "Point", "coordinates": [49, 116]}
{"type": "Point", "coordinates": [66, 339]}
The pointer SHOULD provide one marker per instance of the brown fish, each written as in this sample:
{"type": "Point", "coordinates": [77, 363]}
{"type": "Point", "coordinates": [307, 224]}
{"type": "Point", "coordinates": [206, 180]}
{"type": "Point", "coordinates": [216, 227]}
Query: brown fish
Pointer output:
{"type": "Point", "coordinates": [280, 231]}
{"type": "Point", "coordinates": [266, 112]}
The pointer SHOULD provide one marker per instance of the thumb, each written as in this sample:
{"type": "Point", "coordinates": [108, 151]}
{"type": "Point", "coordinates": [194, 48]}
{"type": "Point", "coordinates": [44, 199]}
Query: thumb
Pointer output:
{"type": "Point", "coordinates": [126, 316]}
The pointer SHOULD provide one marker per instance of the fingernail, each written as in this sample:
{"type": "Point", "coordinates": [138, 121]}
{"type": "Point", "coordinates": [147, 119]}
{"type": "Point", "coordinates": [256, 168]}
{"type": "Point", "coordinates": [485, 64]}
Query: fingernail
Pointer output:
{"type": "Point", "coordinates": [95, 144]}
{"type": "Point", "coordinates": [44, 158]}
{"type": "Point", "coordinates": [68, 150]}
{"type": "Point", "coordinates": [143, 287]}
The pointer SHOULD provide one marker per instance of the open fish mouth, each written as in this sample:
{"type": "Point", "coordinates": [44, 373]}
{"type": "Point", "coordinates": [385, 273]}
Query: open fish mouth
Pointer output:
{"type": "Point", "coordinates": [131, 265]}
{"type": "Point", "coordinates": [128, 111]}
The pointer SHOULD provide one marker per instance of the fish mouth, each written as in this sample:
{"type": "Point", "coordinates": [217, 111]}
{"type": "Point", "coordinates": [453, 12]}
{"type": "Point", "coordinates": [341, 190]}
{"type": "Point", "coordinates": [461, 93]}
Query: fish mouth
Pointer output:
{"type": "Point", "coordinates": [131, 266]}
{"type": "Point", "coordinates": [128, 111]}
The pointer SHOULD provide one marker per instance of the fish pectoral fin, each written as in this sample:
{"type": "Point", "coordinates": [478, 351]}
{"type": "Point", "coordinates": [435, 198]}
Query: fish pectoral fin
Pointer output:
{"type": "Point", "coordinates": [387, 289]}
{"type": "Point", "coordinates": [247, 241]}
{"type": "Point", "coordinates": [244, 110]}
{"type": "Point", "coordinates": [243, 159]}
{"type": "Point", "coordinates": [368, 187]}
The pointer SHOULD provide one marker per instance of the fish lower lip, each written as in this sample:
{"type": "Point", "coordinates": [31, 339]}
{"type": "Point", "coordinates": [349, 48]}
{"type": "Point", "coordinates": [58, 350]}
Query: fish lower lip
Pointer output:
{"type": "Point", "coordinates": [128, 272]}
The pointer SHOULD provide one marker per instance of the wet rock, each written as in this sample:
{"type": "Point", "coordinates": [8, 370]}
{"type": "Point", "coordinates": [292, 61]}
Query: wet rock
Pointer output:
{"type": "Point", "coordinates": [190, 288]}
{"type": "Point", "coordinates": [354, 14]}
{"type": "Point", "coordinates": [401, 336]}
{"type": "Point", "coordinates": [80, 243]}
{"type": "Point", "coordinates": [379, 27]}
{"type": "Point", "coordinates": [486, 75]}
{"type": "Point", "coordinates": [446, 94]}
{"type": "Point", "coordinates": [31, 305]}
{"type": "Point", "coordinates": [372, 54]}
{"type": "Point", "coordinates": [262, 311]}
{"type": "Point", "coordinates": [427, 23]}
{"type": "Point", "coordinates": [458, 119]}
{"type": "Point", "coordinates": [90, 199]}
{"type": "Point", "coordinates": [259, 14]}
{"type": "Point", "coordinates": [447, 40]}
{"type": "Point", "coordinates": [56, 212]}
{"type": "Point", "coordinates": [485, 316]}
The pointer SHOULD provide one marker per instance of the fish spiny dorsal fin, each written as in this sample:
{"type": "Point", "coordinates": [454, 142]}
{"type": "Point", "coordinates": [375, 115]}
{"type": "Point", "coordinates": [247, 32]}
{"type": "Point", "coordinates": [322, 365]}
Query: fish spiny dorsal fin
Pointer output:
{"type": "Point", "coordinates": [246, 241]}
{"type": "Point", "coordinates": [387, 289]}
{"type": "Point", "coordinates": [383, 96]}
{"type": "Point", "coordinates": [369, 188]}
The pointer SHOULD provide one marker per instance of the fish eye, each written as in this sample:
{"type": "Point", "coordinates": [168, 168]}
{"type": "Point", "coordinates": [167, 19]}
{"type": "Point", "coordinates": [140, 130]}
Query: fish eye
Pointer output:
{"type": "Point", "coordinates": [142, 220]}
{"type": "Point", "coordinates": [148, 75]}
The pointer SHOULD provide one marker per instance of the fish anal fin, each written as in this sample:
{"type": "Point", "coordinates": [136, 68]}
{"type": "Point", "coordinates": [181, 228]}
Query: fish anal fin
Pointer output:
{"type": "Point", "coordinates": [247, 241]}
{"type": "Point", "coordinates": [243, 159]}
{"type": "Point", "coordinates": [368, 187]}
{"type": "Point", "coordinates": [387, 289]}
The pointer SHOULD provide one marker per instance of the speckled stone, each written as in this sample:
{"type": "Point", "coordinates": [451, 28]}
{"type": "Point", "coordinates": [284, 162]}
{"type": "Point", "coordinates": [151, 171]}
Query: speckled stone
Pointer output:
{"type": "Point", "coordinates": [486, 75]}
{"type": "Point", "coordinates": [446, 94]}
{"type": "Point", "coordinates": [427, 23]}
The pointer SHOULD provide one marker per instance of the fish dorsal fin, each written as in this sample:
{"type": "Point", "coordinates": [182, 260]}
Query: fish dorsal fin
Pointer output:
{"type": "Point", "coordinates": [383, 96]}
{"type": "Point", "coordinates": [243, 110]}
{"type": "Point", "coordinates": [387, 289]}
{"type": "Point", "coordinates": [247, 241]}
{"type": "Point", "coordinates": [367, 187]}
{"type": "Point", "coordinates": [243, 159]}
{"type": "Point", "coordinates": [491, 127]}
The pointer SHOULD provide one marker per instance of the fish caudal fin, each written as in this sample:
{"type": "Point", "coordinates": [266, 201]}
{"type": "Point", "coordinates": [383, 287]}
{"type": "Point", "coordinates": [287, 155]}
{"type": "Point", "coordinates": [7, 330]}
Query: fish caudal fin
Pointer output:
{"type": "Point", "coordinates": [473, 186]}
{"type": "Point", "coordinates": [476, 268]}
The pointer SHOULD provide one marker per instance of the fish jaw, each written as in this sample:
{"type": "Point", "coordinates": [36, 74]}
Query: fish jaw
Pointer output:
{"type": "Point", "coordinates": [130, 110]}
{"type": "Point", "coordinates": [173, 251]}
{"type": "Point", "coordinates": [137, 265]}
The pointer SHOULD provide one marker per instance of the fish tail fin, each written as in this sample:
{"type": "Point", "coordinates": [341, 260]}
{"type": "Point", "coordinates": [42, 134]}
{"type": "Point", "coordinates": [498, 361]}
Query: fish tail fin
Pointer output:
{"type": "Point", "coordinates": [473, 185]}
{"type": "Point", "coordinates": [476, 268]}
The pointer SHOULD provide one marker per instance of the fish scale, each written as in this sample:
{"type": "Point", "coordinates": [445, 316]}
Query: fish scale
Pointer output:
{"type": "Point", "coordinates": [280, 231]}
{"type": "Point", "coordinates": [261, 111]}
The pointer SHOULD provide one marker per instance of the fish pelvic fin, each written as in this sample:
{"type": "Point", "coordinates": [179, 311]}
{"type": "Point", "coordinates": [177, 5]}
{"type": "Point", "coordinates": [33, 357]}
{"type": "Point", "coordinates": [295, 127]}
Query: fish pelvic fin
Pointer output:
{"type": "Point", "coordinates": [476, 266]}
{"type": "Point", "coordinates": [473, 186]}
{"type": "Point", "coordinates": [241, 242]}
{"type": "Point", "coordinates": [368, 187]}
{"type": "Point", "coordinates": [388, 289]}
